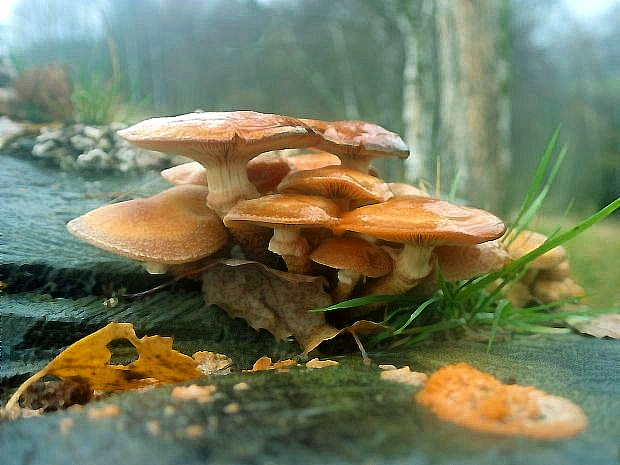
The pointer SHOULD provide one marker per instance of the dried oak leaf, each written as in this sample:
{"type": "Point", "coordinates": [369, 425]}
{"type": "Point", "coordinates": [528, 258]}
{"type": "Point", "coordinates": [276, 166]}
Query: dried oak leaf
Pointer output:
{"type": "Point", "coordinates": [468, 397]}
{"type": "Point", "coordinates": [601, 326]}
{"type": "Point", "coordinates": [88, 358]}
{"type": "Point", "coordinates": [211, 363]}
{"type": "Point", "coordinates": [274, 300]}
{"type": "Point", "coordinates": [265, 363]}
{"type": "Point", "coordinates": [403, 375]}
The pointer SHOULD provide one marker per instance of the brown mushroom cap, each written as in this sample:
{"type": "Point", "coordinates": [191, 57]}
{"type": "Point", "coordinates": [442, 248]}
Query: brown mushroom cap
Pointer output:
{"type": "Point", "coordinates": [174, 226]}
{"type": "Point", "coordinates": [353, 253]}
{"type": "Point", "coordinates": [336, 182]}
{"type": "Point", "coordinates": [527, 241]}
{"type": "Point", "coordinates": [203, 136]}
{"type": "Point", "coordinates": [223, 142]}
{"type": "Point", "coordinates": [425, 221]}
{"type": "Point", "coordinates": [357, 143]}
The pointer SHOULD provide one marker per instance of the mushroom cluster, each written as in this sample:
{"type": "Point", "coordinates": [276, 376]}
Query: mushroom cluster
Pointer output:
{"type": "Point", "coordinates": [547, 279]}
{"type": "Point", "coordinates": [299, 196]}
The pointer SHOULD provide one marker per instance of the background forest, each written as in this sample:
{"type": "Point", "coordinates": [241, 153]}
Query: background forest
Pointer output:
{"type": "Point", "coordinates": [479, 85]}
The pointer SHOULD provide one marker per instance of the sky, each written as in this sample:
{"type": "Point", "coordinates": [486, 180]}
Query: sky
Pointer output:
{"type": "Point", "coordinates": [583, 8]}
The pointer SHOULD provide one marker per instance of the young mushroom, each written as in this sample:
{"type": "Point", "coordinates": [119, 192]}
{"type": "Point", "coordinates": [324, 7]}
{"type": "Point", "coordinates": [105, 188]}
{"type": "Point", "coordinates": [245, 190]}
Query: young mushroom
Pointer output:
{"type": "Point", "coordinates": [341, 184]}
{"type": "Point", "coordinates": [355, 259]}
{"type": "Point", "coordinates": [170, 228]}
{"type": "Point", "coordinates": [286, 214]}
{"type": "Point", "coordinates": [547, 278]}
{"type": "Point", "coordinates": [357, 143]}
{"type": "Point", "coordinates": [223, 142]}
{"type": "Point", "coordinates": [421, 224]}
{"type": "Point", "coordinates": [186, 173]}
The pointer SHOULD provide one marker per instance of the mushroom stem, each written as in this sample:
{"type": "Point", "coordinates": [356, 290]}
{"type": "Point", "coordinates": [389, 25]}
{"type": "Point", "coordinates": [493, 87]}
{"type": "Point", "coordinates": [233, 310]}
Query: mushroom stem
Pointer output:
{"type": "Point", "coordinates": [288, 242]}
{"type": "Point", "coordinates": [228, 183]}
{"type": "Point", "coordinates": [410, 266]}
{"type": "Point", "coordinates": [347, 280]}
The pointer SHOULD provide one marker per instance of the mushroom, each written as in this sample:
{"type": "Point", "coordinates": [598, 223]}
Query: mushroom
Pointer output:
{"type": "Point", "coordinates": [357, 143]}
{"type": "Point", "coordinates": [547, 278]}
{"type": "Point", "coordinates": [338, 183]}
{"type": "Point", "coordinates": [286, 214]}
{"type": "Point", "coordinates": [527, 241]}
{"type": "Point", "coordinates": [466, 262]}
{"type": "Point", "coordinates": [264, 172]}
{"type": "Point", "coordinates": [463, 262]}
{"type": "Point", "coordinates": [312, 160]}
{"type": "Point", "coordinates": [401, 189]}
{"type": "Point", "coordinates": [549, 290]}
{"type": "Point", "coordinates": [186, 173]}
{"type": "Point", "coordinates": [355, 259]}
{"type": "Point", "coordinates": [169, 228]}
{"type": "Point", "coordinates": [223, 142]}
{"type": "Point", "coordinates": [421, 224]}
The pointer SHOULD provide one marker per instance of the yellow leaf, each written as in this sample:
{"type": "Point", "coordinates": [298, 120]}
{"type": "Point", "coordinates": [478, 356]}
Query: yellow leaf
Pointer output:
{"type": "Point", "coordinates": [89, 357]}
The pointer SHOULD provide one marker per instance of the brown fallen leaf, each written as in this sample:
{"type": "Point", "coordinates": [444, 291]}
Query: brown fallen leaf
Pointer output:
{"type": "Point", "coordinates": [601, 326]}
{"type": "Point", "coordinates": [88, 358]}
{"type": "Point", "coordinates": [468, 397]}
{"type": "Point", "coordinates": [274, 300]}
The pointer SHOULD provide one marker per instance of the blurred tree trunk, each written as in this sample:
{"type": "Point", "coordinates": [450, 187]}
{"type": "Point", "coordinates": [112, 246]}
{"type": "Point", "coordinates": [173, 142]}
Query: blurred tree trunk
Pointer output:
{"type": "Point", "coordinates": [455, 105]}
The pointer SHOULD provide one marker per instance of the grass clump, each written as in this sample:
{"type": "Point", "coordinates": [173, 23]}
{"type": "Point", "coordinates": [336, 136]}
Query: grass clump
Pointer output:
{"type": "Point", "coordinates": [477, 307]}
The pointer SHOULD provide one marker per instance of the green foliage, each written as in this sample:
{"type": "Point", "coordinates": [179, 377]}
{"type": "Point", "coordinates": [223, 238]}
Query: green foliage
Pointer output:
{"type": "Point", "coordinates": [477, 307]}
{"type": "Point", "coordinates": [96, 100]}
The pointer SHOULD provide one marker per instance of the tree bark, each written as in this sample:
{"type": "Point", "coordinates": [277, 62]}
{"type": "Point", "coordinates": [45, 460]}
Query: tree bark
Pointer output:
{"type": "Point", "coordinates": [455, 106]}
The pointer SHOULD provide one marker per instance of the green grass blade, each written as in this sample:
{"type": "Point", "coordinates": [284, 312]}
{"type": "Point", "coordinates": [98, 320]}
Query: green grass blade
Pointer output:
{"type": "Point", "coordinates": [558, 239]}
{"type": "Point", "coordinates": [360, 301]}
{"type": "Point", "coordinates": [417, 313]}
{"type": "Point", "coordinates": [539, 176]}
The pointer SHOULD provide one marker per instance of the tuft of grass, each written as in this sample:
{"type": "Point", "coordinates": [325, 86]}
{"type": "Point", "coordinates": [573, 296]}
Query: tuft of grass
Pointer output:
{"type": "Point", "coordinates": [476, 307]}
{"type": "Point", "coordinates": [96, 100]}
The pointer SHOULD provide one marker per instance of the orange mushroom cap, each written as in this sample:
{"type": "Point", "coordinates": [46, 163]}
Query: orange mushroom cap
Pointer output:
{"type": "Point", "coordinates": [424, 221]}
{"type": "Point", "coordinates": [174, 226]}
{"type": "Point", "coordinates": [285, 209]}
{"type": "Point", "coordinates": [353, 253]}
{"type": "Point", "coordinates": [336, 182]}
